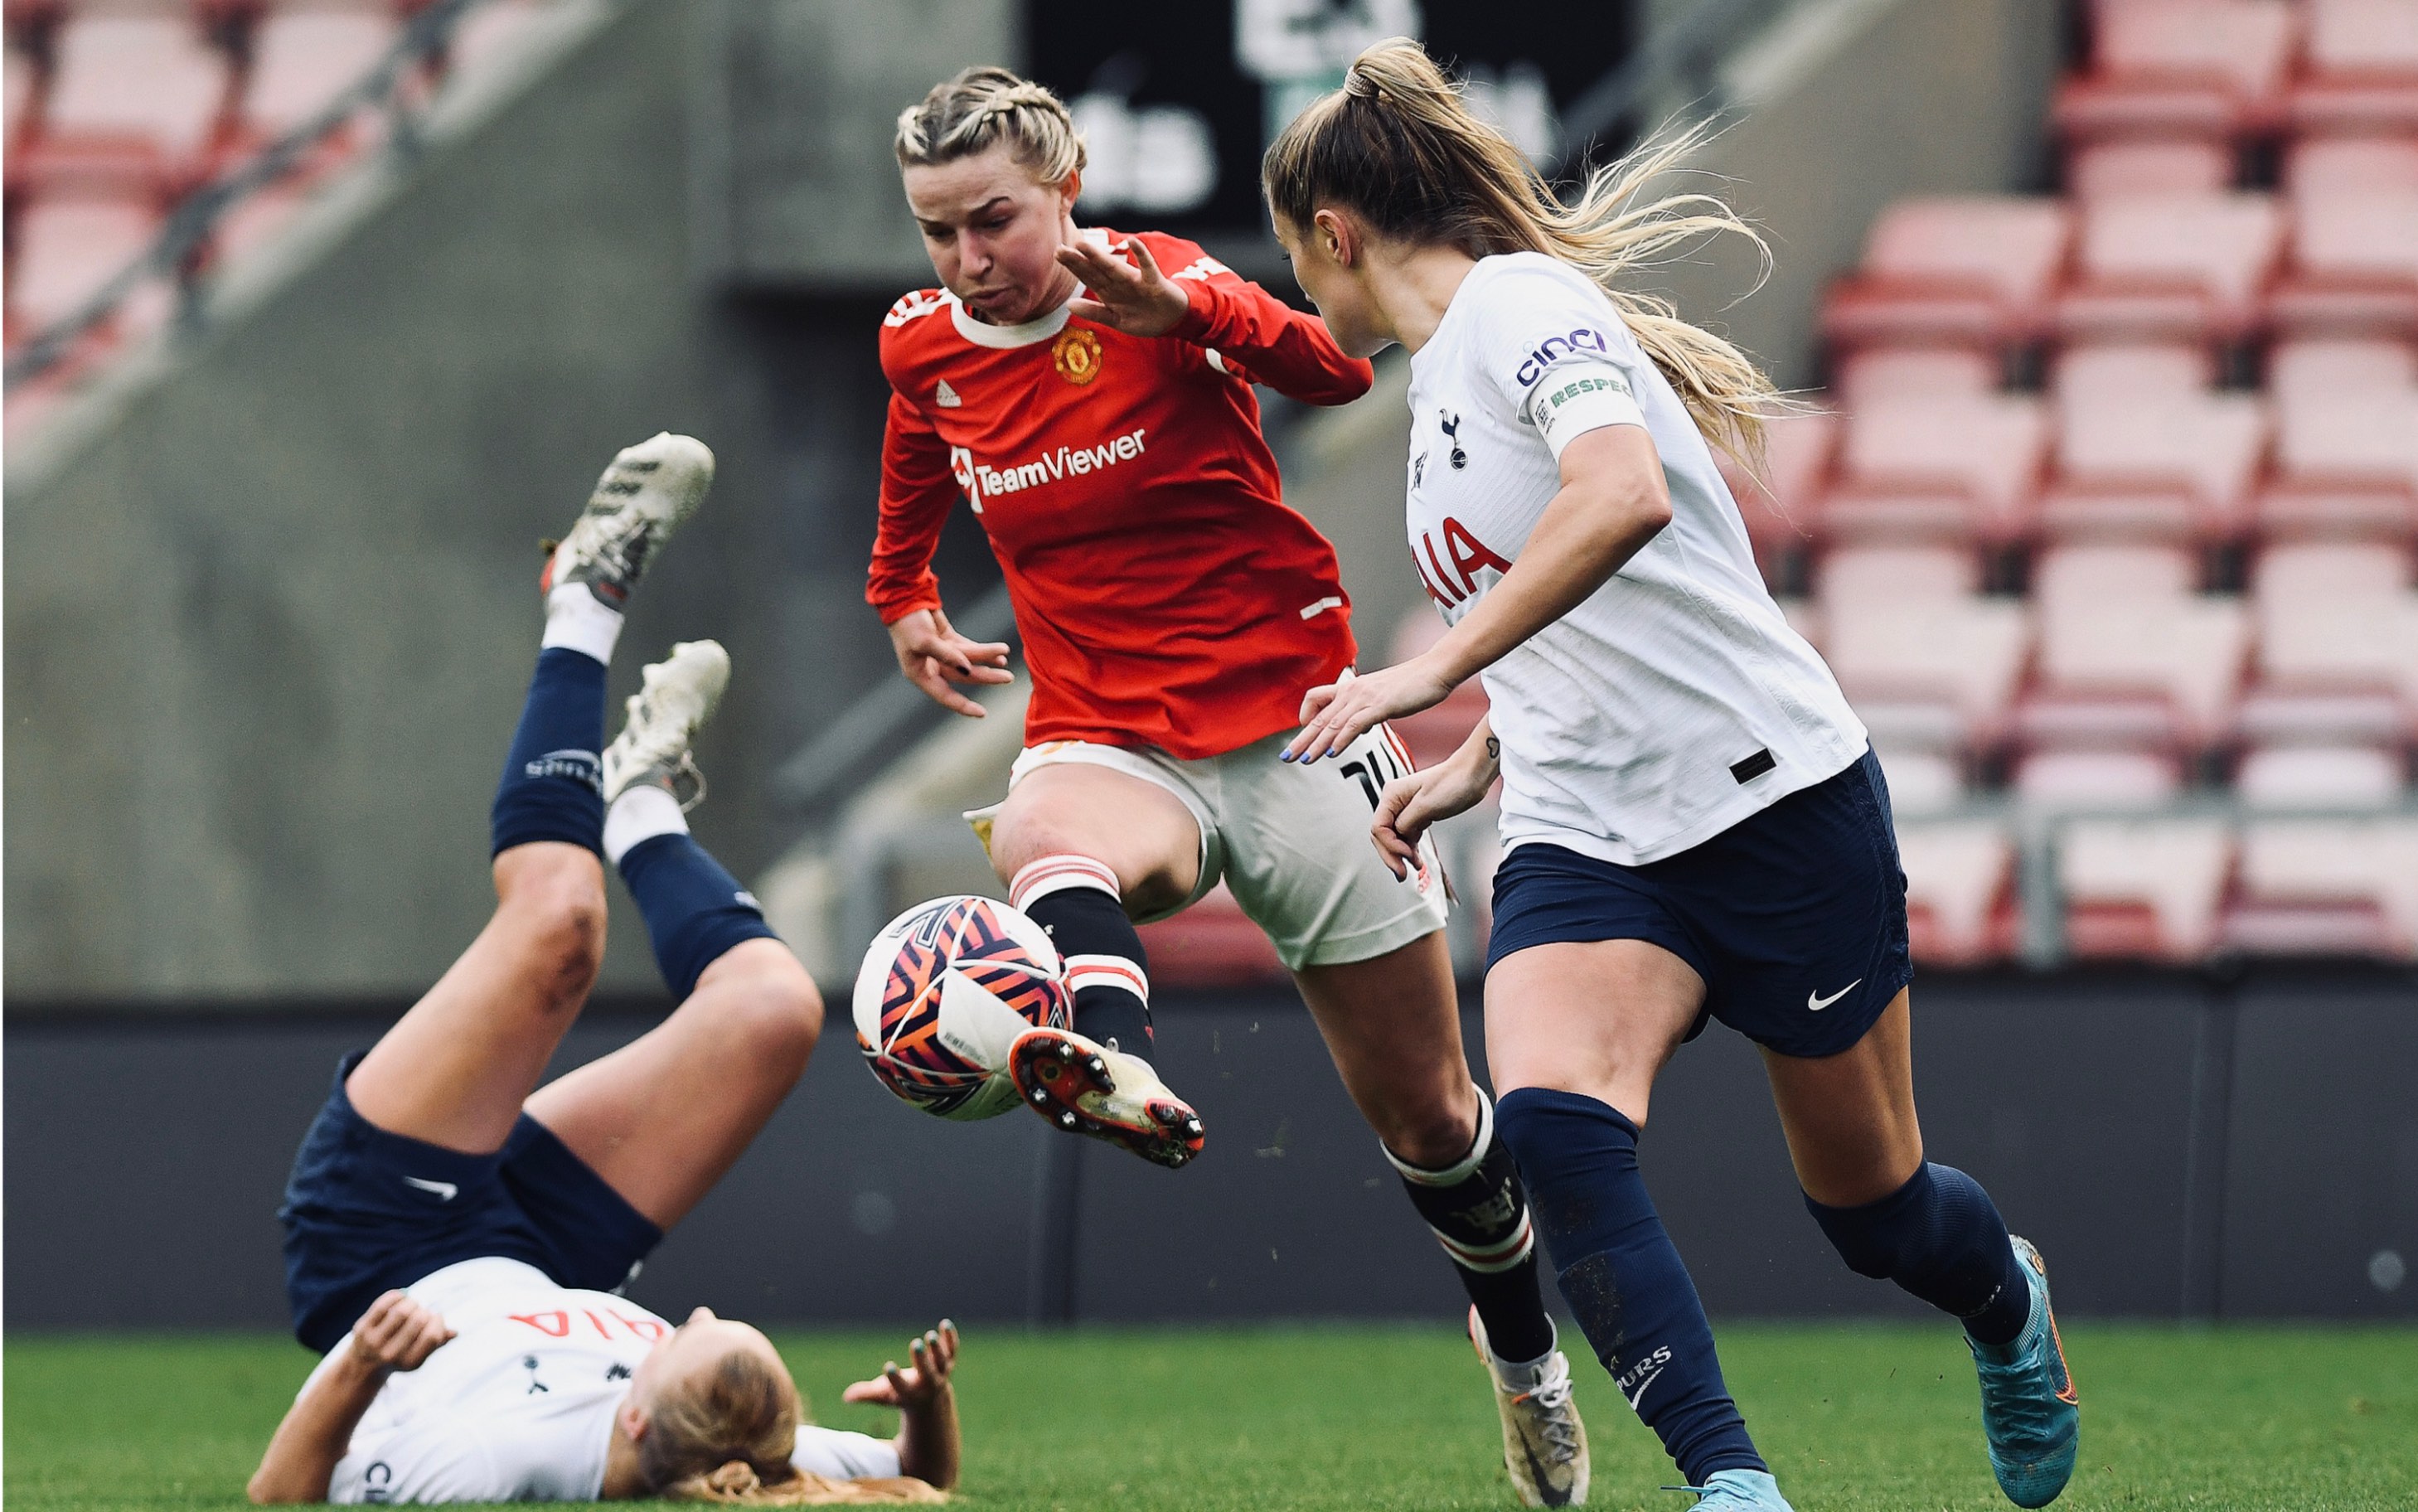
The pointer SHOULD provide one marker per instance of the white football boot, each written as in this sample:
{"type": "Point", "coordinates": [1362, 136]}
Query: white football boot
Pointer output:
{"type": "Point", "coordinates": [676, 696]}
{"type": "Point", "coordinates": [641, 499]}
{"type": "Point", "coordinates": [1544, 1444]}
{"type": "Point", "coordinates": [1083, 1087]}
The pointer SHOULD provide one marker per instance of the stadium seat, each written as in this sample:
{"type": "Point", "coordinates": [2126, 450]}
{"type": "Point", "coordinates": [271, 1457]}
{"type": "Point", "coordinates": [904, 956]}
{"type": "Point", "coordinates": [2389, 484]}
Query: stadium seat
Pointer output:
{"type": "Point", "coordinates": [2171, 267]}
{"type": "Point", "coordinates": [2362, 66]}
{"type": "Point", "coordinates": [2207, 67]}
{"type": "Point", "coordinates": [1929, 665]}
{"type": "Point", "coordinates": [303, 58]}
{"type": "Point", "coordinates": [2334, 620]}
{"type": "Point", "coordinates": [2354, 268]}
{"type": "Point", "coordinates": [2145, 448]}
{"type": "Point", "coordinates": [2330, 886]}
{"type": "Point", "coordinates": [1974, 270]}
{"type": "Point", "coordinates": [1972, 459]}
{"type": "Point", "coordinates": [1892, 372]}
{"type": "Point", "coordinates": [2143, 889]}
{"type": "Point", "coordinates": [18, 86]}
{"type": "Point", "coordinates": [2064, 781]}
{"type": "Point", "coordinates": [2351, 164]}
{"type": "Point", "coordinates": [1922, 782]}
{"type": "Point", "coordinates": [64, 249]}
{"type": "Point", "coordinates": [1782, 509]}
{"type": "Point", "coordinates": [2319, 777]}
{"type": "Point", "coordinates": [2344, 419]}
{"type": "Point", "coordinates": [135, 103]}
{"type": "Point", "coordinates": [2128, 656]}
{"type": "Point", "coordinates": [1959, 880]}
{"type": "Point", "coordinates": [2105, 170]}
{"type": "Point", "coordinates": [1210, 944]}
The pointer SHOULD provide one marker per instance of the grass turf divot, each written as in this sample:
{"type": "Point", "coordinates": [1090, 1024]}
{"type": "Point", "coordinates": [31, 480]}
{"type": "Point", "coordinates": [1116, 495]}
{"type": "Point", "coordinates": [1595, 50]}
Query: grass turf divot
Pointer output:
{"type": "Point", "coordinates": [1868, 1418]}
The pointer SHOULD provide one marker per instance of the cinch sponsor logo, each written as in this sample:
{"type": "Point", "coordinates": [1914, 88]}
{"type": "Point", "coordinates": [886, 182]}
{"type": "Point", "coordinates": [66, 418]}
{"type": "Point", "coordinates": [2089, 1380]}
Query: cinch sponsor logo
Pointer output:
{"type": "Point", "coordinates": [1054, 465]}
{"type": "Point", "coordinates": [1584, 339]}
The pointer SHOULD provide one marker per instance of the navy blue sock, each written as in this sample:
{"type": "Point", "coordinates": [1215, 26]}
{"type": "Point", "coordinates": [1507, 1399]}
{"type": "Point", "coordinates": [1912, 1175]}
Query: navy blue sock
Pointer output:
{"type": "Point", "coordinates": [1622, 1276]}
{"type": "Point", "coordinates": [695, 911]}
{"type": "Point", "coordinates": [551, 787]}
{"type": "Point", "coordinates": [1940, 1237]}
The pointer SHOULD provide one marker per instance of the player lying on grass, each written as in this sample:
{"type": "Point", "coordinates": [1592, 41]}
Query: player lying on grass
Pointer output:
{"type": "Point", "coordinates": [453, 1229]}
{"type": "Point", "coordinates": [1694, 821]}
{"type": "Point", "coordinates": [1088, 393]}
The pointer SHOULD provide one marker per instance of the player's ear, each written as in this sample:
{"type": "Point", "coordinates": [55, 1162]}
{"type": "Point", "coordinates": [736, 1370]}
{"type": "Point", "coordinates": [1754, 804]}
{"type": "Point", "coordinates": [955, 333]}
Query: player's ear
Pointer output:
{"type": "Point", "coordinates": [632, 1418]}
{"type": "Point", "coordinates": [1070, 188]}
{"type": "Point", "coordinates": [1335, 234]}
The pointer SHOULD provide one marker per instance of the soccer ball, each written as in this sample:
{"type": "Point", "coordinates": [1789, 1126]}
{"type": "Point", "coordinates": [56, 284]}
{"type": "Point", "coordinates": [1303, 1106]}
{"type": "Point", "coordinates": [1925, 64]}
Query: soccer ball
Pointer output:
{"type": "Point", "coordinates": [945, 989]}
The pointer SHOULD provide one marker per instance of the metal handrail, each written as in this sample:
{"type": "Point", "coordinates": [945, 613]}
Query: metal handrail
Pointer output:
{"type": "Point", "coordinates": [189, 227]}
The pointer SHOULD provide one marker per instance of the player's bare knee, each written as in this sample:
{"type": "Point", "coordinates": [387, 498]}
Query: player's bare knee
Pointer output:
{"type": "Point", "coordinates": [772, 1004]}
{"type": "Point", "coordinates": [556, 913]}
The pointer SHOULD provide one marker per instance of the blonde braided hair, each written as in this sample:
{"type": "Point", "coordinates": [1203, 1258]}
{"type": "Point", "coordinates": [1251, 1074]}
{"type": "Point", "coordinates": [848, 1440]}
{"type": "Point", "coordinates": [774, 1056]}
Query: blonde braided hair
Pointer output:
{"type": "Point", "coordinates": [965, 114]}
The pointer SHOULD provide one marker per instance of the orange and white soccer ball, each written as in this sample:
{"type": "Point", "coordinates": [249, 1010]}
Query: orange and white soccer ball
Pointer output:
{"type": "Point", "coordinates": [945, 989]}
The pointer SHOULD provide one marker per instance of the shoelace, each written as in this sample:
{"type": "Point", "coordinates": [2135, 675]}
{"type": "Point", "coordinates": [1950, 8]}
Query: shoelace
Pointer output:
{"type": "Point", "coordinates": [1553, 1394]}
{"type": "Point", "coordinates": [2017, 1390]}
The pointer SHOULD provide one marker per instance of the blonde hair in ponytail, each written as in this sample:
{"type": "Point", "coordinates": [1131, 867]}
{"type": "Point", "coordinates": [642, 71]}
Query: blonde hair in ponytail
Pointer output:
{"type": "Point", "coordinates": [964, 115]}
{"type": "Point", "coordinates": [1398, 145]}
{"type": "Point", "coordinates": [727, 1436]}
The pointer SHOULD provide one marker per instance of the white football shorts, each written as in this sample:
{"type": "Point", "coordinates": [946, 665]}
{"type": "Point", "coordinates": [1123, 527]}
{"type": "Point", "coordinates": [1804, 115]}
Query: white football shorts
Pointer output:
{"type": "Point", "coordinates": [1290, 842]}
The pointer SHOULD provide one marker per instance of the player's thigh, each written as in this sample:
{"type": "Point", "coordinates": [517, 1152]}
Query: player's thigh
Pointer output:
{"type": "Point", "coordinates": [1139, 828]}
{"type": "Point", "coordinates": [1849, 1118]}
{"type": "Point", "coordinates": [1598, 1017]}
{"type": "Point", "coordinates": [1299, 859]}
{"type": "Point", "coordinates": [1393, 1025]}
{"type": "Point", "coordinates": [664, 1117]}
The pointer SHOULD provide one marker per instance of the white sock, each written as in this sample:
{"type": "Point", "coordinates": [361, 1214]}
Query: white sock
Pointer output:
{"type": "Point", "coordinates": [643, 813]}
{"type": "Point", "coordinates": [574, 619]}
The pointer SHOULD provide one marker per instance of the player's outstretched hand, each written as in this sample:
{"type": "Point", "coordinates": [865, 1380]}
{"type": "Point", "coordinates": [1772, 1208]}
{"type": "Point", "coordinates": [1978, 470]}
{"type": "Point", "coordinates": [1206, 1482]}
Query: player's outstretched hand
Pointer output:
{"type": "Point", "coordinates": [398, 1334]}
{"type": "Point", "coordinates": [932, 655]}
{"type": "Point", "coordinates": [1131, 296]}
{"type": "Point", "coordinates": [917, 1384]}
{"type": "Point", "coordinates": [1335, 714]}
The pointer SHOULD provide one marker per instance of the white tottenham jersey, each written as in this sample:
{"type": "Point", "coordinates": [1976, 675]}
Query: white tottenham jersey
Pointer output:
{"type": "Point", "coordinates": [518, 1406]}
{"type": "Point", "coordinates": [1675, 701]}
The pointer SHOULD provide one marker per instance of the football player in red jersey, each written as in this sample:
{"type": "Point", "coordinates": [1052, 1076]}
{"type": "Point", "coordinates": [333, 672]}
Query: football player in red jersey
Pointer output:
{"type": "Point", "coordinates": [1088, 393]}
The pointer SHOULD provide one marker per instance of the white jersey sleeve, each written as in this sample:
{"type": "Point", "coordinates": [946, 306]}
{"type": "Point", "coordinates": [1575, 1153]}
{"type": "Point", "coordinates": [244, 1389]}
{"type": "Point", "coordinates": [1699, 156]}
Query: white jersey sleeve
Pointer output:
{"type": "Point", "coordinates": [1558, 362]}
{"type": "Point", "coordinates": [835, 1454]}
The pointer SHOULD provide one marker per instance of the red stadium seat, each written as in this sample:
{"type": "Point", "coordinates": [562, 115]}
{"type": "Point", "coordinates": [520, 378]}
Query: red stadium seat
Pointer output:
{"type": "Point", "coordinates": [135, 103]}
{"type": "Point", "coordinates": [1210, 944]}
{"type": "Point", "coordinates": [2145, 889]}
{"type": "Point", "coordinates": [1930, 665]}
{"type": "Point", "coordinates": [64, 249]}
{"type": "Point", "coordinates": [1972, 460]}
{"type": "Point", "coordinates": [2362, 67]}
{"type": "Point", "coordinates": [2343, 886]}
{"type": "Point", "coordinates": [2127, 655]}
{"type": "Point", "coordinates": [2105, 170]}
{"type": "Point", "coordinates": [2171, 266]}
{"type": "Point", "coordinates": [2205, 68]}
{"type": "Point", "coordinates": [2144, 448]}
{"type": "Point", "coordinates": [1888, 373]}
{"type": "Point", "coordinates": [2335, 618]}
{"type": "Point", "coordinates": [2343, 409]}
{"type": "Point", "coordinates": [303, 58]}
{"type": "Point", "coordinates": [1959, 885]}
{"type": "Point", "coordinates": [1973, 270]}
{"type": "Point", "coordinates": [1781, 509]}
{"type": "Point", "coordinates": [2354, 266]}
{"type": "Point", "coordinates": [2320, 777]}
{"type": "Point", "coordinates": [2351, 164]}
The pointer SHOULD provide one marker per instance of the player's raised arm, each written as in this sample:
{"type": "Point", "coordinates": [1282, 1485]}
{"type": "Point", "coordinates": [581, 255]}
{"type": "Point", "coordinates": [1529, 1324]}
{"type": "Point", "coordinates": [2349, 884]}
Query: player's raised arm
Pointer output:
{"type": "Point", "coordinates": [927, 1400]}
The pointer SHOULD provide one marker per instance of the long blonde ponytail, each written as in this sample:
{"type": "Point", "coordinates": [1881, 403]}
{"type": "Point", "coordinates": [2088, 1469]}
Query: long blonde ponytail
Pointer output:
{"type": "Point", "coordinates": [1398, 145]}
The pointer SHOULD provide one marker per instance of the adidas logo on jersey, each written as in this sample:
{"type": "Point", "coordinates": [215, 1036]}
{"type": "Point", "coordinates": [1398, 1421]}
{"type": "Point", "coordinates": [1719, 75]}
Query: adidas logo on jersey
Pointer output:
{"type": "Point", "coordinates": [945, 396]}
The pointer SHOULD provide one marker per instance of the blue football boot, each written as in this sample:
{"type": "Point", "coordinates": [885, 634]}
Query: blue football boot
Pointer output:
{"type": "Point", "coordinates": [1737, 1491]}
{"type": "Point", "coordinates": [2030, 1409]}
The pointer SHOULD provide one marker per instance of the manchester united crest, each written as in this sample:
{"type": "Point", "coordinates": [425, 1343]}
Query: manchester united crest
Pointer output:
{"type": "Point", "coordinates": [1076, 356]}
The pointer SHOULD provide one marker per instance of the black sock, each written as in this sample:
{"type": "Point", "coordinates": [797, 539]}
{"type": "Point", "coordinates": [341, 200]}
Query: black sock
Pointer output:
{"type": "Point", "coordinates": [1478, 1213]}
{"type": "Point", "coordinates": [1940, 1237]}
{"type": "Point", "coordinates": [1076, 898]}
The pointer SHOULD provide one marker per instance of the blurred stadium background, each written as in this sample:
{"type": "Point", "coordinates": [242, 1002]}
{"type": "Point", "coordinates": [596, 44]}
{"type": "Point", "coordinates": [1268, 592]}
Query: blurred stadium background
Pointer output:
{"type": "Point", "coordinates": [320, 313]}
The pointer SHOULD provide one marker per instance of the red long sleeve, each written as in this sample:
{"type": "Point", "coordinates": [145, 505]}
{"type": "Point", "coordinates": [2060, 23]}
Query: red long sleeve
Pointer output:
{"type": "Point", "coordinates": [918, 489]}
{"type": "Point", "coordinates": [1247, 327]}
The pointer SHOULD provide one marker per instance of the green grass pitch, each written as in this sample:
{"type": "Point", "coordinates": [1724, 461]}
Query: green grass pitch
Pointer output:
{"type": "Point", "coordinates": [1872, 1418]}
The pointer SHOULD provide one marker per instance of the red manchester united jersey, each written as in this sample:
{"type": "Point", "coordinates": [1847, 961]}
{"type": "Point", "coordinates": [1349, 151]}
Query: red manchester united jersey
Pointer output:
{"type": "Point", "coordinates": [1166, 594]}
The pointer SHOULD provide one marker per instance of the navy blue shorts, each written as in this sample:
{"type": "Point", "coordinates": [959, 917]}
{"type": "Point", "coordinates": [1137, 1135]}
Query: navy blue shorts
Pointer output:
{"type": "Point", "coordinates": [367, 1210]}
{"type": "Point", "coordinates": [1795, 917]}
